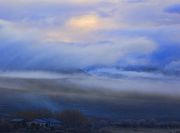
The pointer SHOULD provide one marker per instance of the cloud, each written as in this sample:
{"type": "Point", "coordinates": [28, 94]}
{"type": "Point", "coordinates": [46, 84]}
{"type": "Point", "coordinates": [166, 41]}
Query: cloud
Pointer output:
{"type": "Point", "coordinates": [67, 47]}
{"type": "Point", "coordinates": [173, 66]}
{"type": "Point", "coordinates": [47, 32]}
{"type": "Point", "coordinates": [91, 22]}
{"type": "Point", "coordinates": [91, 87]}
{"type": "Point", "coordinates": [52, 1]}
{"type": "Point", "coordinates": [87, 22]}
{"type": "Point", "coordinates": [63, 55]}
{"type": "Point", "coordinates": [143, 14]}
{"type": "Point", "coordinates": [86, 93]}
{"type": "Point", "coordinates": [70, 2]}
{"type": "Point", "coordinates": [80, 28]}
{"type": "Point", "coordinates": [13, 32]}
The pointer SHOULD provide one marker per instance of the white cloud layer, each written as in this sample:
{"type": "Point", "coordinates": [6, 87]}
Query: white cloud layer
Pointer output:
{"type": "Point", "coordinates": [78, 32]}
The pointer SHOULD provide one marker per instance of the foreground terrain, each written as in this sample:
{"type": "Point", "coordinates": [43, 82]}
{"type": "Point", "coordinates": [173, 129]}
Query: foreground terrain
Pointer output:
{"type": "Point", "coordinates": [140, 130]}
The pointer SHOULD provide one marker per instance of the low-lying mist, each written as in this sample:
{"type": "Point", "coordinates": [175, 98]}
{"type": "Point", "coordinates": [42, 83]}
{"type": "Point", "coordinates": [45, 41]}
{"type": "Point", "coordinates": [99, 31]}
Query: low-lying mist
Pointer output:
{"type": "Point", "coordinates": [95, 95]}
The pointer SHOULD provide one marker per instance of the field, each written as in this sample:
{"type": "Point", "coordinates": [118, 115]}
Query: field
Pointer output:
{"type": "Point", "coordinates": [142, 130]}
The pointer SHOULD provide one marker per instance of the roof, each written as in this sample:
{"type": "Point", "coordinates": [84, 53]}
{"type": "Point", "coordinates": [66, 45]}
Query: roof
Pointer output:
{"type": "Point", "coordinates": [39, 121]}
{"type": "Point", "coordinates": [17, 120]}
{"type": "Point", "coordinates": [47, 120]}
{"type": "Point", "coordinates": [52, 120]}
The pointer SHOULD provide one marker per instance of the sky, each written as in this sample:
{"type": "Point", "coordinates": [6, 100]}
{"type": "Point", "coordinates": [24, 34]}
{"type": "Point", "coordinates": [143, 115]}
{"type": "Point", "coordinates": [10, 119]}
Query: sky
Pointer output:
{"type": "Point", "coordinates": [129, 48]}
{"type": "Point", "coordinates": [76, 34]}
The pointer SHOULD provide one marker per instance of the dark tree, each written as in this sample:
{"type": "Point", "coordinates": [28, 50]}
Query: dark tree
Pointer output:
{"type": "Point", "coordinates": [5, 126]}
{"type": "Point", "coordinates": [75, 120]}
{"type": "Point", "coordinates": [30, 115]}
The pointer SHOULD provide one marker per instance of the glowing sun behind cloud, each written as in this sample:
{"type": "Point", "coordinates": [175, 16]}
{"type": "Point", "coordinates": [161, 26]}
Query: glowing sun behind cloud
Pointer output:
{"type": "Point", "coordinates": [85, 23]}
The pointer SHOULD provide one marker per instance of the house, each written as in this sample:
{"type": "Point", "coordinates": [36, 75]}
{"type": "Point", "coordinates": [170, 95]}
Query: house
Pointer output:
{"type": "Point", "coordinates": [45, 122]}
{"type": "Point", "coordinates": [18, 122]}
{"type": "Point", "coordinates": [39, 122]}
{"type": "Point", "coordinates": [53, 122]}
